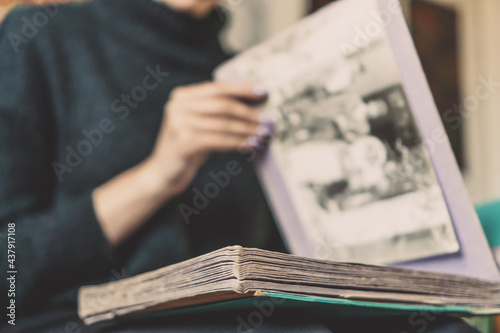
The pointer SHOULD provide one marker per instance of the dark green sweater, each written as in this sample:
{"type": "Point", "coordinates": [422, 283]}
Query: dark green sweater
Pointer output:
{"type": "Point", "coordinates": [82, 92]}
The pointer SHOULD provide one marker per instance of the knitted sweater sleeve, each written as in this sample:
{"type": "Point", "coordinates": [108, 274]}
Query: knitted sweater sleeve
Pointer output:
{"type": "Point", "coordinates": [52, 247]}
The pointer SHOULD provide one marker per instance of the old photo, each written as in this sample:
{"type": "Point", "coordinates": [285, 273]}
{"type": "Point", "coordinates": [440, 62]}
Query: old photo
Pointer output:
{"type": "Point", "coordinates": [346, 143]}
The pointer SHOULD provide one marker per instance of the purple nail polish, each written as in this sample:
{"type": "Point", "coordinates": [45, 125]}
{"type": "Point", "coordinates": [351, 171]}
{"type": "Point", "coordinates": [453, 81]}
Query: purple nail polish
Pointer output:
{"type": "Point", "coordinates": [253, 141]}
{"type": "Point", "coordinates": [265, 130]}
{"type": "Point", "coordinates": [263, 145]}
{"type": "Point", "coordinates": [260, 90]}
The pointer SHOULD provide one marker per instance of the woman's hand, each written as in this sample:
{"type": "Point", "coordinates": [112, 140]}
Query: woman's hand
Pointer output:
{"type": "Point", "coordinates": [201, 119]}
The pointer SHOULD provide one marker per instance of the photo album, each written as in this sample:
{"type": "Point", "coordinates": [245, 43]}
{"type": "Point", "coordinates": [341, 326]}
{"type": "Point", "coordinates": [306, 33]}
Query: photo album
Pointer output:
{"type": "Point", "coordinates": [361, 179]}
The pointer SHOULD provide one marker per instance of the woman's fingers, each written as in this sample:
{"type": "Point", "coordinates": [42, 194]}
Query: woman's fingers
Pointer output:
{"type": "Point", "coordinates": [249, 93]}
{"type": "Point", "coordinates": [225, 107]}
{"type": "Point", "coordinates": [216, 141]}
{"type": "Point", "coordinates": [215, 117]}
{"type": "Point", "coordinates": [227, 125]}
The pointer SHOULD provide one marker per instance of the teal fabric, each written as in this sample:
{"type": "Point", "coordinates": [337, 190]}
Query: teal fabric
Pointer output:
{"type": "Point", "coordinates": [489, 215]}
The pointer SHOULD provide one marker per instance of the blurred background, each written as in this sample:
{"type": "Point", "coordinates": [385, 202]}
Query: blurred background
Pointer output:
{"type": "Point", "coordinates": [459, 48]}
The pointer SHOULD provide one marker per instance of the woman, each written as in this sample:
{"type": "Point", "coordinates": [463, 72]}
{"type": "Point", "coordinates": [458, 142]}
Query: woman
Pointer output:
{"type": "Point", "coordinates": [110, 132]}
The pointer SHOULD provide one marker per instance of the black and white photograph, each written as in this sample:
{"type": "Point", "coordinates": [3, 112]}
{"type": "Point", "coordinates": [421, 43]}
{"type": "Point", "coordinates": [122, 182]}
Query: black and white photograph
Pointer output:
{"type": "Point", "coordinates": [346, 141]}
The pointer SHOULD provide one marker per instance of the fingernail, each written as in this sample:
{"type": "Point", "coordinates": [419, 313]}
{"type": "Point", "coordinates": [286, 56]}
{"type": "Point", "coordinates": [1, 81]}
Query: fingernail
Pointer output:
{"type": "Point", "coordinates": [265, 130]}
{"type": "Point", "coordinates": [265, 119]}
{"type": "Point", "coordinates": [260, 90]}
{"type": "Point", "coordinates": [265, 141]}
{"type": "Point", "coordinates": [253, 141]}
{"type": "Point", "coordinates": [263, 145]}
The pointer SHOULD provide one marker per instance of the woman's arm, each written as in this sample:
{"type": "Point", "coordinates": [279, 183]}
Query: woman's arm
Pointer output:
{"type": "Point", "coordinates": [198, 120]}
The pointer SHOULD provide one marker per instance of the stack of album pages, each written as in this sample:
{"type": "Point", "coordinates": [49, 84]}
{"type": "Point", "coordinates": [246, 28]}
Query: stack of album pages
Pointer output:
{"type": "Point", "coordinates": [235, 275]}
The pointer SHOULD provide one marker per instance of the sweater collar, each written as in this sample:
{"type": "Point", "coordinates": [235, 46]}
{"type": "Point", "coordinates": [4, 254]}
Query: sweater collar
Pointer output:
{"type": "Point", "coordinates": [151, 12]}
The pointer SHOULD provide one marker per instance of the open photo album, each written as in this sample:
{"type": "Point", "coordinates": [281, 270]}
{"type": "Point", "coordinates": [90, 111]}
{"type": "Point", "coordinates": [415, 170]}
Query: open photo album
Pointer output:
{"type": "Point", "coordinates": [361, 179]}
